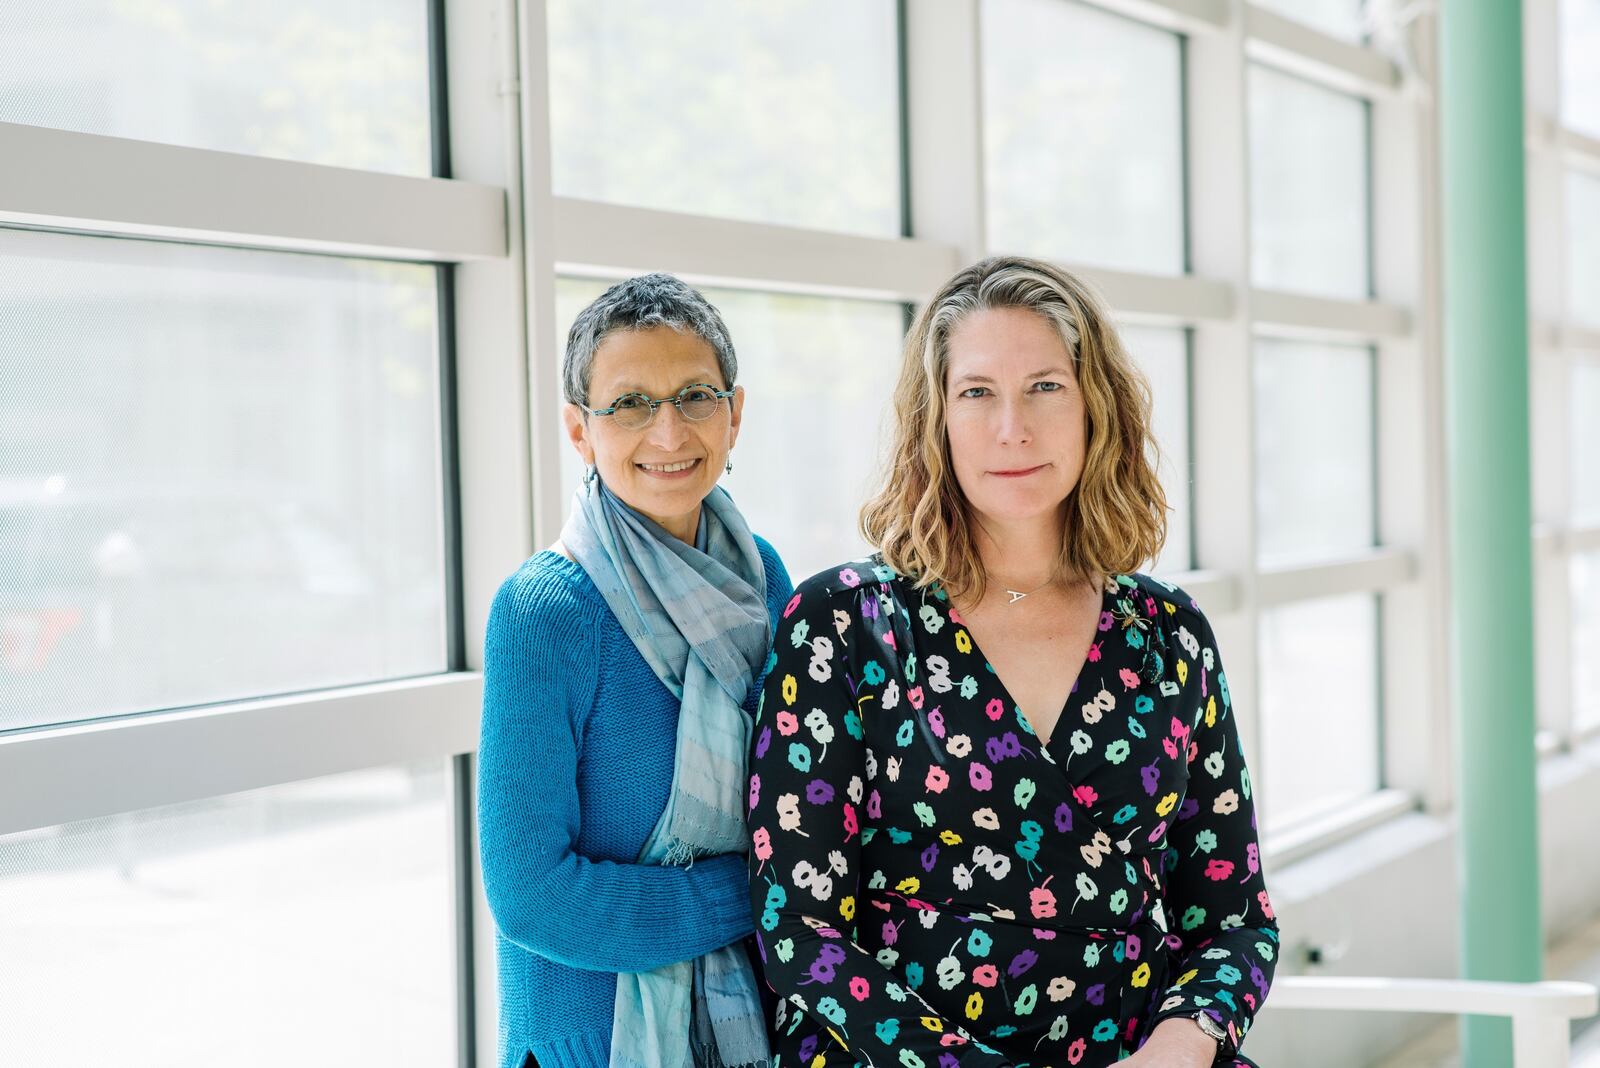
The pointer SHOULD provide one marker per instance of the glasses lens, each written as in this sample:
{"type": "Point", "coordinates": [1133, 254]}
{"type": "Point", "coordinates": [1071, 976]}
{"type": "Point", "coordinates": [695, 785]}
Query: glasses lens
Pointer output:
{"type": "Point", "coordinates": [632, 412]}
{"type": "Point", "coordinates": [698, 402]}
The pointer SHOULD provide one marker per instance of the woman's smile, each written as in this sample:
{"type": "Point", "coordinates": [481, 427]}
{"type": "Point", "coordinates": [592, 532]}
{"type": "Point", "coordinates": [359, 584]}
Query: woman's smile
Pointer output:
{"type": "Point", "coordinates": [675, 469]}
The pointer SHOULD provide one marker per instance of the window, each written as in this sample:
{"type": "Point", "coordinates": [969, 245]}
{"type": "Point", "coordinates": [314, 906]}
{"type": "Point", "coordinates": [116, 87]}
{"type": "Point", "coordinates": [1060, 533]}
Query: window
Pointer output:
{"type": "Point", "coordinates": [219, 475]}
{"type": "Point", "coordinates": [167, 935]}
{"type": "Point", "coordinates": [1585, 566]}
{"type": "Point", "coordinates": [783, 112]}
{"type": "Point", "coordinates": [1083, 136]}
{"type": "Point", "coordinates": [226, 473]}
{"type": "Point", "coordinates": [342, 82]}
{"type": "Point", "coordinates": [1314, 450]}
{"type": "Point", "coordinates": [185, 429]}
{"type": "Point", "coordinates": [1580, 73]}
{"type": "Point", "coordinates": [1583, 248]}
{"type": "Point", "coordinates": [1309, 210]}
{"type": "Point", "coordinates": [1319, 706]}
{"type": "Point", "coordinates": [1577, 262]}
{"type": "Point", "coordinates": [1585, 454]}
{"type": "Point", "coordinates": [1586, 641]}
{"type": "Point", "coordinates": [818, 376]}
{"type": "Point", "coordinates": [1315, 494]}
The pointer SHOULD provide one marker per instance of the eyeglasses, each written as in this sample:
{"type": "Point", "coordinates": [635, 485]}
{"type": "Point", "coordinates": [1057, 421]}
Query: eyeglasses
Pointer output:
{"type": "Point", "coordinates": [635, 411]}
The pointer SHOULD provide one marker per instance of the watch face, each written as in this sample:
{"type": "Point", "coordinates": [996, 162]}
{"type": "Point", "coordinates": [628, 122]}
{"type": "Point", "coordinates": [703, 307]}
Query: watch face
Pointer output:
{"type": "Point", "coordinates": [1211, 1027]}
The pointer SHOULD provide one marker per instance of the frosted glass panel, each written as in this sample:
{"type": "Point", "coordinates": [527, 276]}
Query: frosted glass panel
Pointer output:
{"type": "Point", "coordinates": [786, 111]}
{"type": "Point", "coordinates": [1319, 706]}
{"type": "Point", "coordinates": [219, 475]}
{"type": "Point", "coordinates": [342, 82]}
{"type": "Point", "coordinates": [819, 378]}
{"type": "Point", "coordinates": [1314, 450]}
{"type": "Point", "coordinates": [302, 924]}
{"type": "Point", "coordinates": [1308, 187]}
{"type": "Point", "coordinates": [1083, 136]}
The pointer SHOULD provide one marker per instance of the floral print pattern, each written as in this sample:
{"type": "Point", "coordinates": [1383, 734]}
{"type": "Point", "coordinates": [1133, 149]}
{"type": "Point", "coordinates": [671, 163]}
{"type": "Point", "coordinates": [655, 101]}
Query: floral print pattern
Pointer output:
{"type": "Point", "coordinates": [935, 886]}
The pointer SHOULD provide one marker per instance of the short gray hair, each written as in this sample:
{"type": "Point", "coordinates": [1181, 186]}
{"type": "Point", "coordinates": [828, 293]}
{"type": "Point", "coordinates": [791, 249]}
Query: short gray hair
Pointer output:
{"type": "Point", "coordinates": [639, 304]}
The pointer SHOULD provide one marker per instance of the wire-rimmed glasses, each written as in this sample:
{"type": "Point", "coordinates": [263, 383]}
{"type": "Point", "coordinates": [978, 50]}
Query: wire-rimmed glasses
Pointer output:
{"type": "Point", "coordinates": [635, 411]}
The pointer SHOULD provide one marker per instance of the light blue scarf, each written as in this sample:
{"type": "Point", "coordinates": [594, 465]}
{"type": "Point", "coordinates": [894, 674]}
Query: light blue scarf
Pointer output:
{"type": "Point", "coordinates": [699, 618]}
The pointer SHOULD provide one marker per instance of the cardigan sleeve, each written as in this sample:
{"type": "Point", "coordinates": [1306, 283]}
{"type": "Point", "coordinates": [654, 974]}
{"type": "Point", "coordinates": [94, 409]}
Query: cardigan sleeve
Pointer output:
{"type": "Point", "coordinates": [539, 652]}
{"type": "Point", "coordinates": [779, 589]}
{"type": "Point", "coordinates": [1223, 931]}
{"type": "Point", "coordinates": [807, 766]}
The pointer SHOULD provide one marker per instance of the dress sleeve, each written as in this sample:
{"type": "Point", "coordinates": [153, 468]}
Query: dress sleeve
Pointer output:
{"type": "Point", "coordinates": [543, 893]}
{"type": "Point", "coordinates": [1223, 933]}
{"type": "Point", "coordinates": [808, 766]}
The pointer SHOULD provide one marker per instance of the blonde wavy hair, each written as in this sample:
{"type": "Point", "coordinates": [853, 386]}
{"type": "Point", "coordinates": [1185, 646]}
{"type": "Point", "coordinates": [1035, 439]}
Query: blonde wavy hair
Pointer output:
{"type": "Point", "coordinates": [1116, 516]}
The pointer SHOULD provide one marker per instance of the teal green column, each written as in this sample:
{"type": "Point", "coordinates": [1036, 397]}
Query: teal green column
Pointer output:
{"type": "Point", "coordinates": [1491, 566]}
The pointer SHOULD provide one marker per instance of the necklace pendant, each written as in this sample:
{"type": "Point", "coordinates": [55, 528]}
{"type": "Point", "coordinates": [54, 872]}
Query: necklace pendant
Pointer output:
{"type": "Point", "coordinates": [1015, 597]}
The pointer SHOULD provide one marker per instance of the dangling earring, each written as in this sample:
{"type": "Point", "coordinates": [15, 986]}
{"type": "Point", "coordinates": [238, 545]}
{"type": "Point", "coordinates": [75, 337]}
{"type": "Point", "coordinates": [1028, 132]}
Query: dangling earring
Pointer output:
{"type": "Point", "coordinates": [590, 473]}
{"type": "Point", "coordinates": [729, 468]}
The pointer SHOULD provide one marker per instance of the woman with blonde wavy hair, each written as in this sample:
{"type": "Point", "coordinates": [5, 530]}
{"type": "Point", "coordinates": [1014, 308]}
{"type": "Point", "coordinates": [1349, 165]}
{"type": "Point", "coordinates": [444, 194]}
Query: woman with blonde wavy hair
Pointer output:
{"type": "Point", "coordinates": [998, 806]}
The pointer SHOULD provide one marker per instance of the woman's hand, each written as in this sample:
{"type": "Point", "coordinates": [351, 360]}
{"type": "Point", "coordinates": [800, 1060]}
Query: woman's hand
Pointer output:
{"type": "Point", "coordinates": [1175, 1043]}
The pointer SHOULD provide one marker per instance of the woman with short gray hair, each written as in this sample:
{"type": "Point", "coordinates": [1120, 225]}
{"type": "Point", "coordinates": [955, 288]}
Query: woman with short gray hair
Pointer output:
{"type": "Point", "coordinates": [622, 667]}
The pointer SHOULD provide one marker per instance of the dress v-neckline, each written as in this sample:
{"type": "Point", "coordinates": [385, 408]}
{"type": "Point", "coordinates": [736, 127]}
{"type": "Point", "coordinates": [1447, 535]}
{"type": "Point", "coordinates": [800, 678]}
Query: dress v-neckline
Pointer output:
{"type": "Point", "coordinates": [1066, 702]}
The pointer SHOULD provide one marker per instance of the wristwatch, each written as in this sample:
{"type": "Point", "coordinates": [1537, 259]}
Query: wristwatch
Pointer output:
{"type": "Point", "coordinates": [1212, 1029]}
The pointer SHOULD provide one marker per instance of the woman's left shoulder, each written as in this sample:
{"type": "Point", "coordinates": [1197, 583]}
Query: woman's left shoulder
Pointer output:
{"type": "Point", "coordinates": [846, 581]}
{"type": "Point", "coordinates": [1162, 597]}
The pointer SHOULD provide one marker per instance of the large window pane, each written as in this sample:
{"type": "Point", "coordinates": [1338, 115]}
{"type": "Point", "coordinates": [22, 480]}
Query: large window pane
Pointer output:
{"type": "Point", "coordinates": [1586, 640]}
{"type": "Point", "coordinates": [1314, 450]}
{"type": "Point", "coordinates": [219, 475]}
{"type": "Point", "coordinates": [1163, 354]}
{"type": "Point", "coordinates": [1580, 65]}
{"type": "Point", "coordinates": [819, 377]}
{"type": "Point", "coordinates": [1308, 187]}
{"type": "Point", "coordinates": [785, 111]}
{"type": "Point", "coordinates": [1339, 18]}
{"type": "Point", "coordinates": [1083, 136]}
{"type": "Point", "coordinates": [1583, 248]}
{"type": "Point", "coordinates": [302, 924]}
{"type": "Point", "coordinates": [1319, 706]}
{"type": "Point", "coordinates": [1586, 438]}
{"type": "Point", "coordinates": [342, 82]}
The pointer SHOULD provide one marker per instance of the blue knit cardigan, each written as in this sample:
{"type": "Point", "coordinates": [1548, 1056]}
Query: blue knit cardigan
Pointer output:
{"type": "Point", "coordinates": [574, 767]}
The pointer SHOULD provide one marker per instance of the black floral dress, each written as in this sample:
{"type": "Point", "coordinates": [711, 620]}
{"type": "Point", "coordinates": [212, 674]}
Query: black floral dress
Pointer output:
{"type": "Point", "coordinates": [934, 886]}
